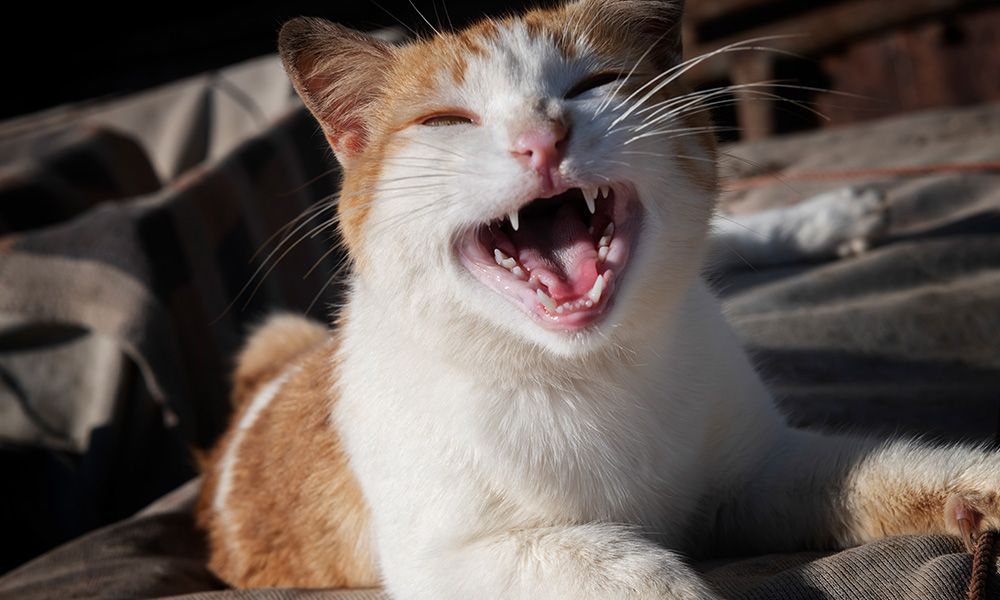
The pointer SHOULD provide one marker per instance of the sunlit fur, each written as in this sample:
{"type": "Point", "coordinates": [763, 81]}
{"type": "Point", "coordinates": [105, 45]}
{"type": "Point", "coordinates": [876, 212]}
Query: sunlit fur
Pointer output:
{"type": "Point", "coordinates": [449, 447]}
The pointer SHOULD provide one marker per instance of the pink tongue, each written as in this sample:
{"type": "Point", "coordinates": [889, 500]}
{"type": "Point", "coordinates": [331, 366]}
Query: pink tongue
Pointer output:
{"type": "Point", "coordinates": [558, 250]}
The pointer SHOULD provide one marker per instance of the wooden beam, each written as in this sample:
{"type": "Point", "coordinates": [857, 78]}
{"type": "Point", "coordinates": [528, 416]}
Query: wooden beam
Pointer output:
{"type": "Point", "coordinates": [704, 10]}
{"type": "Point", "coordinates": [754, 114]}
{"type": "Point", "coordinates": [820, 29]}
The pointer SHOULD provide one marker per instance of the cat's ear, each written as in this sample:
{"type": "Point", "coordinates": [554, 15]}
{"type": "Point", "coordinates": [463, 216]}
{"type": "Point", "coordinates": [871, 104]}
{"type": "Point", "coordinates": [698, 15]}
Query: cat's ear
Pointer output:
{"type": "Point", "coordinates": [338, 73]}
{"type": "Point", "coordinates": [647, 24]}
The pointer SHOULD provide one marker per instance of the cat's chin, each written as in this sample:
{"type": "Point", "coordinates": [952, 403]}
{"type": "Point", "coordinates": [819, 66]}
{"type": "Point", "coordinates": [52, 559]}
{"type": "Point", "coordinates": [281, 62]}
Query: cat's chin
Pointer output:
{"type": "Point", "coordinates": [559, 259]}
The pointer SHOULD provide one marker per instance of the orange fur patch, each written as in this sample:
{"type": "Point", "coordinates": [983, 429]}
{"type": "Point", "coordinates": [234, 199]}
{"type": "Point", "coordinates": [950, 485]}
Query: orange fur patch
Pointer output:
{"type": "Point", "coordinates": [298, 514]}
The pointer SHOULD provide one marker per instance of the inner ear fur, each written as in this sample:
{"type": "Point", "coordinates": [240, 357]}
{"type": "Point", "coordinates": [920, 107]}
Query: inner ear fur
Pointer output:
{"type": "Point", "coordinates": [339, 73]}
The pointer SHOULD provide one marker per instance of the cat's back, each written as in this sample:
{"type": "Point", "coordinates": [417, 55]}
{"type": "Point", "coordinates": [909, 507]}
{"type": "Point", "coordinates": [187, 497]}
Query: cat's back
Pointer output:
{"type": "Point", "coordinates": [279, 502]}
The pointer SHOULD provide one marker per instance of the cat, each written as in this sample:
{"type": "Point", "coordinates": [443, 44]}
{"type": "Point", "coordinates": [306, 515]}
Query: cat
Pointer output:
{"type": "Point", "coordinates": [530, 391]}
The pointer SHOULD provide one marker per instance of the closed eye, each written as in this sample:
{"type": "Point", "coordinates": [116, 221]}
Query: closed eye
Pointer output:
{"type": "Point", "coordinates": [592, 82]}
{"type": "Point", "coordinates": [445, 120]}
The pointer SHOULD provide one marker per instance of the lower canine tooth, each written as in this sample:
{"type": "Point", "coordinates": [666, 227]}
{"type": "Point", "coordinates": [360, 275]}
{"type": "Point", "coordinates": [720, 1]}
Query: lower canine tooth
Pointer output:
{"type": "Point", "coordinates": [595, 292]}
{"type": "Point", "coordinates": [546, 301]}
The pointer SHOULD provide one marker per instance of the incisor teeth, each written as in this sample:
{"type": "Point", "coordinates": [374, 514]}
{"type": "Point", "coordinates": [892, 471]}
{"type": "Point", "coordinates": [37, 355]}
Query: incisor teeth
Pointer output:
{"type": "Point", "coordinates": [590, 197]}
{"type": "Point", "coordinates": [595, 292]}
{"type": "Point", "coordinates": [546, 301]}
{"type": "Point", "coordinates": [514, 222]}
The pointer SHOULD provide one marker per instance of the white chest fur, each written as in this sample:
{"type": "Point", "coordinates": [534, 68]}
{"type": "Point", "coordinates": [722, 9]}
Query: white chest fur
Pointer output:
{"type": "Point", "coordinates": [630, 441]}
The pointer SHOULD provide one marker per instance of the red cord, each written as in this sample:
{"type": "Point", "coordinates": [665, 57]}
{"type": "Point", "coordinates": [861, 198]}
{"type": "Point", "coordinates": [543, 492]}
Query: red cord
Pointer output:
{"type": "Point", "coordinates": [763, 180]}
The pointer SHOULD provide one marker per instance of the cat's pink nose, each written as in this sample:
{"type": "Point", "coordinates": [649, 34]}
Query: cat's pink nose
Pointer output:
{"type": "Point", "coordinates": [539, 148]}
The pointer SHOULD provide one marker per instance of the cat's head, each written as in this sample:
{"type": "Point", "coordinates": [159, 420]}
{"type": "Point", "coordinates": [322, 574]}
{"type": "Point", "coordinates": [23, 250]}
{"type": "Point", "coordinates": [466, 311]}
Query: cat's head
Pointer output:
{"type": "Point", "coordinates": [534, 179]}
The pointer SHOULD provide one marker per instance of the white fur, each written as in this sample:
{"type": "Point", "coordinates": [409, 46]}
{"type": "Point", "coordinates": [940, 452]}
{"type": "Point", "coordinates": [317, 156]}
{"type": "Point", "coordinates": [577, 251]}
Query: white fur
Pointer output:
{"type": "Point", "coordinates": [502, 460]}
{"type": "Point", "coordinates": [839, 222]}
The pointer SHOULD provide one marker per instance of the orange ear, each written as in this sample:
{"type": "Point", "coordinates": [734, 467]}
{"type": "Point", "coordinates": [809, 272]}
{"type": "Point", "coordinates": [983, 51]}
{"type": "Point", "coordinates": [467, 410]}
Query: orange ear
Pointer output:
{"type": "Point", "coordinates": [338, 73]}
{"type": "Point", "coordinates": [652, 24]}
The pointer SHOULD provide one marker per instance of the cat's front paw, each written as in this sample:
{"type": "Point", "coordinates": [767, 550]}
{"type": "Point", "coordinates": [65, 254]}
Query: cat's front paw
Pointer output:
{"type": "Point", "coordinates": [843, 222]}
{"type": "Point", "coordinates": [969, 514]}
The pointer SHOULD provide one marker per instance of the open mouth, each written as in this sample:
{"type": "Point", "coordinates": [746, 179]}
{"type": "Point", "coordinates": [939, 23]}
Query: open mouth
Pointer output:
{"type": "Point", "coordinates": [558, 258]}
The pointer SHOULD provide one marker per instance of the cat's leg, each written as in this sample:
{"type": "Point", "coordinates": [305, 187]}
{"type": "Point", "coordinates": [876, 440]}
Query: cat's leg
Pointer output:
{"type": "Point", "coordinates": [836, 223]}
{"type": "Point", "coordinates": [581, 562]}
{"type": "Point", "coordinates": [815, 490]}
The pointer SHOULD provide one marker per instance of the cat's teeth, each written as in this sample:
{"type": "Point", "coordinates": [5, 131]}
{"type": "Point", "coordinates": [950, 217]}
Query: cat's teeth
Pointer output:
{"type": "Point", "coordinates": [508, 263]}
{"type": "Point", "coordinates": [561, 308]}
{"type": "Point", "coordinates": [546, 301]}
{"type": "Point", "coordinates": [590, 197]}
{"type": "Point", "coordinates": [514, 222]}
{"type": "Point", "coordinates": [602, 253]}
{"type": "Point", "coordinates": [605, 191]}
{"type": "Point", "coordinates": [606, 236]}
{"type": "Point", "coordinates": [594, 295]}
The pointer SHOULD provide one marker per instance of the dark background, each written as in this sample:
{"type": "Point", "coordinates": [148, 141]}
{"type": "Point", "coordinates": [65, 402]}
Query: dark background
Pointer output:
{"type": "Point", "coordinates": [61, 54]}
{"type": "Point", "coordinates": [947, 54]}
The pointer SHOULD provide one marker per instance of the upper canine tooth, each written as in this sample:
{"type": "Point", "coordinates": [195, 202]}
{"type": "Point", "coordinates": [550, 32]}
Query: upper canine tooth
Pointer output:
{"type": "Point", "coordinates": [546, 301]}
{"type": "Point", "coordinates": [514, 222]}
{"type": "Point", "coordinates": [589, 196]}
{"type": "Point", "coordinates": [595, 292]}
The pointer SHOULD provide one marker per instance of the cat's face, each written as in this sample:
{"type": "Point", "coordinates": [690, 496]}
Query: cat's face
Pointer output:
{"type": "Point", "coordinates": [528, 176]}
